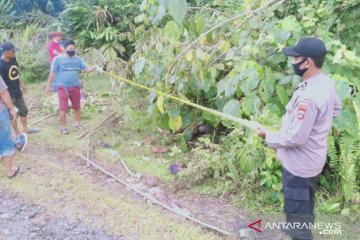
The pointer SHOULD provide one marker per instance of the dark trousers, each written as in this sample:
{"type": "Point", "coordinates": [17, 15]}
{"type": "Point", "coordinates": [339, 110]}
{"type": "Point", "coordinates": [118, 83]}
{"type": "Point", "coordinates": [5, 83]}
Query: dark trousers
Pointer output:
{"type": "Point", "coordinates": [299, 196]}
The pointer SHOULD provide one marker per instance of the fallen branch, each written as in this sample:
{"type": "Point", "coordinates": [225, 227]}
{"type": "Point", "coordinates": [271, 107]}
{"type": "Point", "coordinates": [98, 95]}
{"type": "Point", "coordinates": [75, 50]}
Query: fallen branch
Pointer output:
{"type": "Point", "coordinates": [43, 118]}
{"type": "Point", "coordinates": [117, 155]}
{"type": "Point", "coordinates": [88, 149]}
{"type": "Point", "coordinates": [93, 129]}
{"type": "Point", "coordinates": [104, 126]}
{"type": "Point", "coordinates": [154, 200]}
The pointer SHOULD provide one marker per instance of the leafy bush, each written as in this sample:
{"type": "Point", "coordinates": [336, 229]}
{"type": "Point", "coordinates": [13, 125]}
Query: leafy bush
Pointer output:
{"type": "Point", "coordinates": [228, 58]}
{"type": "Point", "coordinates": [106, 25]}
{"type": "Point", "coordinates": [33, 57]}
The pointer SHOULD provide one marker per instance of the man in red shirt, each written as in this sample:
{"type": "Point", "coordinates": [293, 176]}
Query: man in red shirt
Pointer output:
{"type": "Point", "coordinates": [54, 47]}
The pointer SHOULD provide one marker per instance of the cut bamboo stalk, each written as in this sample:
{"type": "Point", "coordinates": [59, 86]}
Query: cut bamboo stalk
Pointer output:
{"type": "Point", "coordinates": [154, 200]}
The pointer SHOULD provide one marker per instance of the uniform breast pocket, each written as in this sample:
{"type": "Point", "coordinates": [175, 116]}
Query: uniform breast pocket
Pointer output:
{"type": "Point", "coordinates": [289, 108]}
{"type": "Point", "coordinates": [290, 111]}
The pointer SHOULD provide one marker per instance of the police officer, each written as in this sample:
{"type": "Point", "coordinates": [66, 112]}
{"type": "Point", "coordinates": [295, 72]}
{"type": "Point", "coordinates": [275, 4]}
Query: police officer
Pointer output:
{"type": "Point", "coordinates": [301, 143]}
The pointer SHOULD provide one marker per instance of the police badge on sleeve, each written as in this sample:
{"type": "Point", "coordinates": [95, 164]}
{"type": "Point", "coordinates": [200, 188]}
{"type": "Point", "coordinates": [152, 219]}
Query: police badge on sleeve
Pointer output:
{"type": "Point", "coordinates": [301, 110]}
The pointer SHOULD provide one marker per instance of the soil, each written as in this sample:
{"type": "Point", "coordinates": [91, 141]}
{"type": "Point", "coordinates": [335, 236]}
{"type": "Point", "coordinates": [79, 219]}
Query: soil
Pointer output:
{"type": "Point", "coordinates": [20, 219]}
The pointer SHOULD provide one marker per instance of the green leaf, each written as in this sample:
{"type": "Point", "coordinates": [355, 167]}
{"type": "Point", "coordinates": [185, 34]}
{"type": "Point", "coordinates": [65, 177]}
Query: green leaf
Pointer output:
{"type": "Point", "coordinates": [173, 113]}
{"type": "Point", "coordinates": [199, 24]}
{"type": "Point", "coordinates": [346, 120]}
{"type": "Point", "coordinates": [177, 10]}
{"type": "Point", "coordinates": [277, 186]}
{"type": "Point", "coordinates": [290, 24]}
{"type": "Point", "coordinates": [350, 55]}
{"type": "Point", "coordinates": [338, 56]}
{"type": "Point", "coordinates": [263, 181]}
{"type": "Point", "coordinates": [175, 123]}
{"type": "Point", "coordinates": [189, 56]}
{"type": "Point", "coordinates": [139, 66]}
{"type": "Point", "coordinates": [211, 119]}
{"type": "Point", "coordinates": [282, 94]}
{"type": "Point", "coordinates": [227, 86]}
{"type": "Point", "coordinates": [187, 119]}
{"type": "Point", "coordinates": [224, 46]}
{"type": "Point", "coordinates": [356, 104]}
{"type": "Point", "coordinates": [219, 3]}
{"type": "Point", "coordinates": [250, 104]}
{"type": "Point", "coordinates": [285, 80]}
{"type": "Point", "coordinates": [172, 32]}
{"type": "Point", "coordinates": [281, 36]}
{"type": "Point", "coordinates": [232, 107]}
{"type": "Point", "coordinates": [343, 89]}
{"type": "Point", "coordinates": [160, 104]}
{"type": "Point", "coordinates": [249, 85]}
{"type": "Point", "coordinates": [143, 5]}
{"type": "Point", "coordinates": [253, 23]}
{"type": "Point", "coordinates": [160, 14]}
{"type": "Point", "coordinates": [269, 162]}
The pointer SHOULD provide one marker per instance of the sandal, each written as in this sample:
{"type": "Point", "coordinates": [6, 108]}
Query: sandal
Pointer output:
{"type": "Point", "coordinates": [17, 170]}
{"type": "Point", "coordinates": [33, 130]}
{"type": "Point", "coordinates": [79, 126]}
{"type": "Point", "coordinates": [65, 131]}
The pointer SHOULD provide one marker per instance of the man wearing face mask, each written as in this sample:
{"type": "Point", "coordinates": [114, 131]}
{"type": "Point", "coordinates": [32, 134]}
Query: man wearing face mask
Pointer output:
{"type": "Point", "coordinates": [55, 49]}
{"type": "Point", "coordinates": [301, 143]}
{"type": "Point", "coordinates": [65, 71]}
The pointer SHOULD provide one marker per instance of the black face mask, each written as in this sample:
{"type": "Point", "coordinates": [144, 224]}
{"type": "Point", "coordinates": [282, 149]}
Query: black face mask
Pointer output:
{"type": "Point", "coordinates": [297, 70]}
{"type": "Point", "coordinates": [70, 52]}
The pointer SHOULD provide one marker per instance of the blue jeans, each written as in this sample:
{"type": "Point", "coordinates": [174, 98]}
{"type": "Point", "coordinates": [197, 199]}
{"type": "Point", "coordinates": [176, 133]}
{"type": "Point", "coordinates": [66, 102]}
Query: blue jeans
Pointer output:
{"type": "Point", "coordinates": [7, 146]}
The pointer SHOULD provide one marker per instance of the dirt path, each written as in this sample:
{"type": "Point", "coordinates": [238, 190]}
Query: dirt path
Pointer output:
{"type": "Point", "coordinates": [69, 198]}
{"type": "Point", "coordinates": [20, 219]}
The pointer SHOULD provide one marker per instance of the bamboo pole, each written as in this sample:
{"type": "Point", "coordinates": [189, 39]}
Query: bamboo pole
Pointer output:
{"type": "Point", "coordinates": [154, 200]}
{"type": "Point", "coordinates": [90, 130]}
{"type": "Point", "coordinates": [41, 119]}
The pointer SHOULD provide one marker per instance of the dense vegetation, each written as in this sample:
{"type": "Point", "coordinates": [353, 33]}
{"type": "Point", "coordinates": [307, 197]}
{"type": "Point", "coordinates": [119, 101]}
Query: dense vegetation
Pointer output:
{"type": "Point", "coordinates": [224, 55]}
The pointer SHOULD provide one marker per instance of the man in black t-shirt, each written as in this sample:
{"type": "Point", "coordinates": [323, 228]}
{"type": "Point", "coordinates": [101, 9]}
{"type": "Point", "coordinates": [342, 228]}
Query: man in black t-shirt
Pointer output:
{"type": "Point", "coordinates": [10, 74]}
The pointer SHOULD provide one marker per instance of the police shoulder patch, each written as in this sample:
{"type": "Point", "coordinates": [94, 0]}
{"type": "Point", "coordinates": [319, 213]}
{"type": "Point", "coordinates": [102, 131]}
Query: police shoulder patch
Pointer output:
{"type": "Point", "coordinates": [301, 109]}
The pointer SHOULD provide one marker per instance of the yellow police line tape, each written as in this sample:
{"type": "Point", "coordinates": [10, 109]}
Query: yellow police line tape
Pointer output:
{"type": "Point", "coordinates": [250, 124]}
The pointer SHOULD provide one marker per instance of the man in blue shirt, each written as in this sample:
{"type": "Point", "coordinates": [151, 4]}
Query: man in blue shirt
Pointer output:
{"type": "Point", "coordinates": [65, 71]}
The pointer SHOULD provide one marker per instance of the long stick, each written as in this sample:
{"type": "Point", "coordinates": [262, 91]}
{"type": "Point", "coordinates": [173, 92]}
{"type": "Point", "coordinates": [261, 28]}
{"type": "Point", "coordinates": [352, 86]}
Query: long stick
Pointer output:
{"type": "Point", "coordinates": [154, 200]}
{"type": "Point", "coordinates": [115, 153]}
{"type": "Point", "coordinates": [86, 132]}
{"type": "Point", "coordinates": [43, 118]}
{"type": "Point", "coordinates": [88, 149]}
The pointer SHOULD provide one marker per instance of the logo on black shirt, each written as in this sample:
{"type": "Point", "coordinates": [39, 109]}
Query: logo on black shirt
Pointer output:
{"type": "Point", "coordinates": [13, 73]}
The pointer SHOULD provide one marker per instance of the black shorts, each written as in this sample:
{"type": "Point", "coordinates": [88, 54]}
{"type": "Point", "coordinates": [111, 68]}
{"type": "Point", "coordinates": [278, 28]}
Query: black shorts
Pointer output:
{"type": "Point", "coordinates": [20, 104]}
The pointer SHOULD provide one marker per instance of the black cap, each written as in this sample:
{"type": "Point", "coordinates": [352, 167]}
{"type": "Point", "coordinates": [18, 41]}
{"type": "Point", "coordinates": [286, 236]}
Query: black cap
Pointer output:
{"type": "Point", "coordinates": [8, 46]}
{"type": "Point", "coordinates": [308, 47]}
{"type": "Point", "coordinates": [68, 42]}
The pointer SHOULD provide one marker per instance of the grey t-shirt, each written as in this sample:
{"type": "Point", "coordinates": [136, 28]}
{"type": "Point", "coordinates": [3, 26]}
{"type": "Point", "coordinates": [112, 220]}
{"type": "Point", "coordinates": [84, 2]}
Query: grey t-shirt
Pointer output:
{"type": "Point", "coordinates": [302, 141]}
{"type": "Point", "coordinates": [3, 88]}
